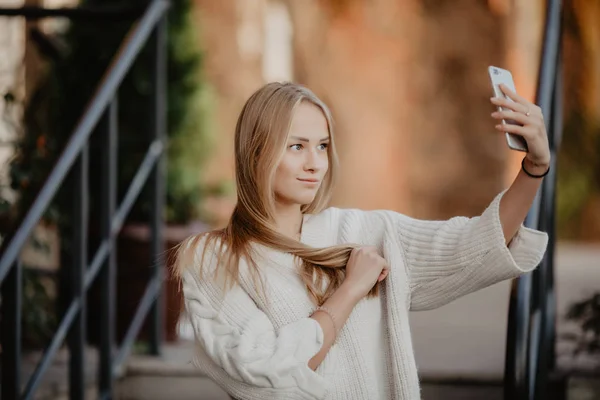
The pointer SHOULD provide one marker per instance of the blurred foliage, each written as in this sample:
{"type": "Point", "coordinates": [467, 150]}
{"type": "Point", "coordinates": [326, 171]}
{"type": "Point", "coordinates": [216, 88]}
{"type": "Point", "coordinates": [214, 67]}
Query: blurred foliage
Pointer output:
{"type": "Point", "coordinates": [587, 314]}
{"type": "Point", "coordinates": [60, 100]}
{"type": "Point", "coordinates": [39, 308]}
{"type": "Point", "coordinates": [579, 177]}
{"type": "Point", "coordinates": [579, 158]}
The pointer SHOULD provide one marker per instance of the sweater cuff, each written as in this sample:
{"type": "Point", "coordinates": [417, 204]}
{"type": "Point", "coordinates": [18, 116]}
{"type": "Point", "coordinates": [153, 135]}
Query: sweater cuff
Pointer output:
{"type": "Point", "coordinates": [524, 252]}
{"type": "Point", "coordinates": [311, 340]}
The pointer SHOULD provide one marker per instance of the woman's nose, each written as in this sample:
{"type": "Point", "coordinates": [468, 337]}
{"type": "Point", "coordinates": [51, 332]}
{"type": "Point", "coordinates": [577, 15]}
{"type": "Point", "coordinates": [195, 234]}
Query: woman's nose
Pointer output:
{"type": "Point", "coordinates": [313, 161]}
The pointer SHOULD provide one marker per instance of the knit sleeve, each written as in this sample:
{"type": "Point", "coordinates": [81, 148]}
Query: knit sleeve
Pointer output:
{"type": "Point", "coordinates": [238, 346]}
{"type": "Point", "coordinates": [448, 259]}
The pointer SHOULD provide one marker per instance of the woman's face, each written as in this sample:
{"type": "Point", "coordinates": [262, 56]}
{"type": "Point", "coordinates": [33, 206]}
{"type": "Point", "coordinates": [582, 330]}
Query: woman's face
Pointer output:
{"type": "Point", "coordinates": [305, 160]}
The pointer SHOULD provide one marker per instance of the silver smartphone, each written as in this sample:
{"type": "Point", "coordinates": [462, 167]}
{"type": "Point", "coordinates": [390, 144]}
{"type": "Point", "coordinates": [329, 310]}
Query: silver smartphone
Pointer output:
{"type": "Point", "coordinates": [498, 76]}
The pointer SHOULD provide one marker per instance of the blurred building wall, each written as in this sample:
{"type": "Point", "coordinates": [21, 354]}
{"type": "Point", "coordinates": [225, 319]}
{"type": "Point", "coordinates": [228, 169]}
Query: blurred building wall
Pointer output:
{"type": "Point", "coordinates": [406, 80]}
{"type": "Point", "coordinates": [232, 35]}
{"type": "Point", "coordinates": [523, 33]}
{"type": "Point", "coordinates": [409, 86]}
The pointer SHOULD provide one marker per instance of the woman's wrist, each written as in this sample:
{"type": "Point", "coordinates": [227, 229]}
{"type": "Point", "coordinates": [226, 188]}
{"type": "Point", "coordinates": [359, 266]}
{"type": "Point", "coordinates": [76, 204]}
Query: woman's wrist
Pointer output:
{"type": "Point", "coordinates": [350, 292]}
{"type": "Point", "coordinates": [532, 168]}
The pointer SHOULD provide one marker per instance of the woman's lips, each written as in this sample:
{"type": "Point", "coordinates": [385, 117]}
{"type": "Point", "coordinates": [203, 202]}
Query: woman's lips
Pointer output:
{"type": "Point", "coordinates": [310, 181]}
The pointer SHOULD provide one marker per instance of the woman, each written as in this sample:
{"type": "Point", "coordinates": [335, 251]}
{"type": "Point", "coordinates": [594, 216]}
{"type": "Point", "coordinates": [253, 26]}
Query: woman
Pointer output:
{"type": "Point", "coordinates": [294, 301]}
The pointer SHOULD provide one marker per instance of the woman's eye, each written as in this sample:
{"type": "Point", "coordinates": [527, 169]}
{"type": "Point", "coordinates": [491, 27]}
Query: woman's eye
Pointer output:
{"type": "Point", "coordinates": [323, 146]}
{"type": "Point", "coordinates": [296, 147]}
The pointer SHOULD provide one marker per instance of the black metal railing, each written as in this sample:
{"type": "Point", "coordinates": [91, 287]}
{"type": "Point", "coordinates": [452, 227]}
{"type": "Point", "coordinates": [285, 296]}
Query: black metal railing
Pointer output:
{"type": "Point", "coordinates": [531, 321]}
{"type": "Point", "coordinates": [73, 167]}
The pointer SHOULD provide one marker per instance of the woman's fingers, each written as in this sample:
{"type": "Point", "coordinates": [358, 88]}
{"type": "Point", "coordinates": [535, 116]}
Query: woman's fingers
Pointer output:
{"type": "Point", "coordinates": [518, 103]}
{"type": "Point", "coordinates": [513, 95]}
{"type": "Point", "coordinates": [525, 131]}
{"type": "Point", "coordinates": [518, 117]}
{"type": "Point", "coordinates": [383, 274]}
{"type": "Point", "coordinates": [529, 123]}
{"type": "Point", "coordinates": [512, 115]}
{"type": "Point", "coordinates": [508, 104]}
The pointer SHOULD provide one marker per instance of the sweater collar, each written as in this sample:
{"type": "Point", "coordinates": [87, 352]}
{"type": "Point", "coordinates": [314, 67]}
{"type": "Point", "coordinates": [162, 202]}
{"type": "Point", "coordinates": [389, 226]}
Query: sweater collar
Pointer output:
{"type": "Point", "coordinates": [316, 230]}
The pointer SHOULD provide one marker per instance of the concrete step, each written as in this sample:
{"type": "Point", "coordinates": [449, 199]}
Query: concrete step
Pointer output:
{"type": "Point", "coordinates": [199, 388]}
{"type": "Point", "coordinates": [147, 381]}
{"type": "Point", "coordinates": [170, 377]}
{"type": "Point", "coordinates": [54, 384]}
{"type": "Point", "coordinates": [189, 387]}
{"type": "Point", "coordinates": [435, 391]}
{"type": "Point", "coordinates": [174, 377]}
{"type": "Point", "coordinates": [192, 387]}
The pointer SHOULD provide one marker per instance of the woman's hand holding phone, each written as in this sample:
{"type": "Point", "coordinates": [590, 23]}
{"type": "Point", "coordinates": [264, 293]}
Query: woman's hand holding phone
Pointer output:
{"type": "Point", "coordinates": [532, 126]}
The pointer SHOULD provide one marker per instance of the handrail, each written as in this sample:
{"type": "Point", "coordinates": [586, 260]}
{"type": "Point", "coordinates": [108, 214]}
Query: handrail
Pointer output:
{"type": "Point", "coordinates": [530, 331]}
{"type": "Point", "coordinates": [74, 158]}
{"type": "Point", "coordinates": [98, 105]}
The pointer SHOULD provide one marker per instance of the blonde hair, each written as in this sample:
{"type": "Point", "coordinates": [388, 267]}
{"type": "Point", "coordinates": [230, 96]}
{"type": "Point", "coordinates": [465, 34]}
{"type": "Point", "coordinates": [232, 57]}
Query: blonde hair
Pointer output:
{"type": "Point", "coordinates": [260, 136]}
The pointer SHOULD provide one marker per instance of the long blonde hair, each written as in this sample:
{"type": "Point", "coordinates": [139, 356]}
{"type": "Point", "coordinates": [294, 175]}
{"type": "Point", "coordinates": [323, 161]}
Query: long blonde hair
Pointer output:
{"type": "Point", "coordinates": [260, 137]}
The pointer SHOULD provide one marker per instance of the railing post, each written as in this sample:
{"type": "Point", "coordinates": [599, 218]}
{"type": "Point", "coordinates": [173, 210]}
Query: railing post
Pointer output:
{"type": "Point", "coordinates": [12, 291]}
{"type": "Point", "coordinates": [557, 135]}
{"type": "Point", "coordinates": [159, 112]}
{"type": "Point", "coordinates": [108, 273]}
{"type": "Point", "coordinates": [547, 343]}
{"type": "Point", "coordinates": [77, 336]}
{"type": "Point", "coordinates": [516, 379]}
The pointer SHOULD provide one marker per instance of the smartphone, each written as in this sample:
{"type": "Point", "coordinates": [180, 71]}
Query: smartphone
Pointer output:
{"type": "Point", "coordinates": [498, 76]}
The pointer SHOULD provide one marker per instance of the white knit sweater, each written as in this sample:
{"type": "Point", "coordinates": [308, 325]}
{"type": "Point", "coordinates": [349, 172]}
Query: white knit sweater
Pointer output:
{"type": "Point", "coordinates": [260, 351]}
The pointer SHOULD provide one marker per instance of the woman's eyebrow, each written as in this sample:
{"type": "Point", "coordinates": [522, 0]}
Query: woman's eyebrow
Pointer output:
{"type": "Point", "coordinates": [302, 139]}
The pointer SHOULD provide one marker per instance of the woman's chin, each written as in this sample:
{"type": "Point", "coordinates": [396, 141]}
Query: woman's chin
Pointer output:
{"type": "Point", "coordinates": [301, 197]}
{"type": "Point", "coordinates": [305, 199]}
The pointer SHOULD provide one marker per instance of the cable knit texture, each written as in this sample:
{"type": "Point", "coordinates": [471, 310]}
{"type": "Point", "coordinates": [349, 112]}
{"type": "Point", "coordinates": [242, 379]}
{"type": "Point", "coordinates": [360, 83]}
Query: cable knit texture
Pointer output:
{"type": "Point", "coordinates": [260, 350]}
